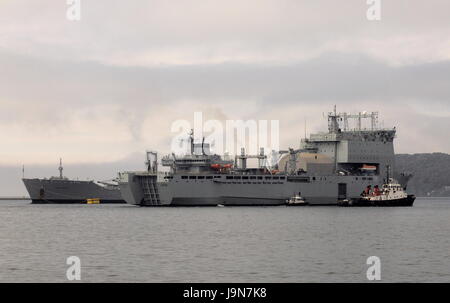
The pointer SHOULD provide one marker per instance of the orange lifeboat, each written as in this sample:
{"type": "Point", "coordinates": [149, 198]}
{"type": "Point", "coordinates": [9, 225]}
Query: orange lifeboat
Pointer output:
{"type": "Point", "coordinates": [369, 167]}
{"type": "Point", "coordinates": [215, 166]}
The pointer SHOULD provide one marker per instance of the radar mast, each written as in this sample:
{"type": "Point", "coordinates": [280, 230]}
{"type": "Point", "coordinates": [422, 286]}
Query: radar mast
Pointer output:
{"type": "Point", "coordinates": [60, 168]}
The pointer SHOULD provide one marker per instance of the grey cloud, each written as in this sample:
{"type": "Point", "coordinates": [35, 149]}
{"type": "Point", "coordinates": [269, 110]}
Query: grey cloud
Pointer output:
{"type": "Point", "coordinates": [331, 77]}
{"type": "Point", "coordinates": [121, 32]}
{"type": "Point", "coordinates": [57, 88]}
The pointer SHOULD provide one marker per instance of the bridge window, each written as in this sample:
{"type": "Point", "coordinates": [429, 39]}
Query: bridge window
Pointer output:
{"type": "Point", "coordinates": [184, 177]}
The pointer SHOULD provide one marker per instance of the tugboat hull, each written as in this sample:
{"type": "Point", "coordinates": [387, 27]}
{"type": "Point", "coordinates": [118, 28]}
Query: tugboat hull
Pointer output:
{"type": "Point", "coordinates": [405, 202]}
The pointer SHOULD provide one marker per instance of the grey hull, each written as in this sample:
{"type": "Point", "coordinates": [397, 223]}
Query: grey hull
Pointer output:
{"type": "Point", "coordinates": [178, 192]}
{"type": "Point", "coordinates": [43, 191]}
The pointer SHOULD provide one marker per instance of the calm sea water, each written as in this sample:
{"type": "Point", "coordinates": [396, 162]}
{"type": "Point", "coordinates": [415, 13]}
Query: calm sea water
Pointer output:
{"type": "Point", "coordinates": [121, 243]}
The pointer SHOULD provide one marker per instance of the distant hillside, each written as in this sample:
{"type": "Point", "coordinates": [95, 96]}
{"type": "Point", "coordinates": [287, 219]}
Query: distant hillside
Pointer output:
{"type": "Point", "coordinates": [431, 173]}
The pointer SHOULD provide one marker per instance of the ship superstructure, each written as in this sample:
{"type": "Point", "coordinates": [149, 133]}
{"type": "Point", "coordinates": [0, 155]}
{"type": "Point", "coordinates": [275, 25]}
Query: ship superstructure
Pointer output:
{"type": "Point", "coordinates": [327, 168]}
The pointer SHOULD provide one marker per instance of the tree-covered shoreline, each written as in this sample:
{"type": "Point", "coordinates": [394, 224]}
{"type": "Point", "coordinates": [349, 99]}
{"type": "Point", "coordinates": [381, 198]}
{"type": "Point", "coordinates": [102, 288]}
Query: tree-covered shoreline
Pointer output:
{"type": "Point", "coordinates": [431, 173]}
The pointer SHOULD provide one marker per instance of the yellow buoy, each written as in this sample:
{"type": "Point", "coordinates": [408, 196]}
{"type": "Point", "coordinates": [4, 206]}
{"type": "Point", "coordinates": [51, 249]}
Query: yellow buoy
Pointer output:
{"type": "Point", "coordinates": [93, 201]}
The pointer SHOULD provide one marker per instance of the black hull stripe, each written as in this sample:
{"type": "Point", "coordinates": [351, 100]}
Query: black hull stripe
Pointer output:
{"type": "Point", "coordinates": [73, 201]}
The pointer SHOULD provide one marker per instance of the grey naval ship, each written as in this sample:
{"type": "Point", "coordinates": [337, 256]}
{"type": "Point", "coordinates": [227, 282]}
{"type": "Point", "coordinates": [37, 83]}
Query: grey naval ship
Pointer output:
{"type": "Point", "coordinates": [328, 168]}
{"type": "Point", "coordinates": [63, 190]}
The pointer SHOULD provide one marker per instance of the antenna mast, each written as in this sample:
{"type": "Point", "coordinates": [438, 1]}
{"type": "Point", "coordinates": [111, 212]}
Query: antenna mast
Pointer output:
{"type": "Point", "coordinates": [191, 138]}
{"type": "Point", "coordinates": [305, 128]}
{"type": "Point", "coordinates": [60, 169]}
{"type": "Point", "coordinates": [333, 124]}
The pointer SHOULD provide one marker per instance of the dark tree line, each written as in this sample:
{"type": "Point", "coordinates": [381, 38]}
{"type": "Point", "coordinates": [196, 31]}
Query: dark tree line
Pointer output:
{"type": "Point", "coordinates": [431, 173]}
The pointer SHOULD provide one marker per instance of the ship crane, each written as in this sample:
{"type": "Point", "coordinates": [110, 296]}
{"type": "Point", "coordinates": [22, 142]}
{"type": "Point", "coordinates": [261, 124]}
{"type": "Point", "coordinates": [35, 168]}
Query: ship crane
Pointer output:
{"type": "Point", "coordinates": [242, 158]}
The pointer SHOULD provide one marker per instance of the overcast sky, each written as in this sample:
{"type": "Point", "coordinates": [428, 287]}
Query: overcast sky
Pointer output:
{"type": "Point", "coordinates": [104, 88]}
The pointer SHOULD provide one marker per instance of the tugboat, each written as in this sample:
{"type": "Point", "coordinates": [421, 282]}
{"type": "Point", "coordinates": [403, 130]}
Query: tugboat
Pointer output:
{"type": "Point", "coordinates": [390, 194]}
{"type": "Point", "coordinates": [296, 201]}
